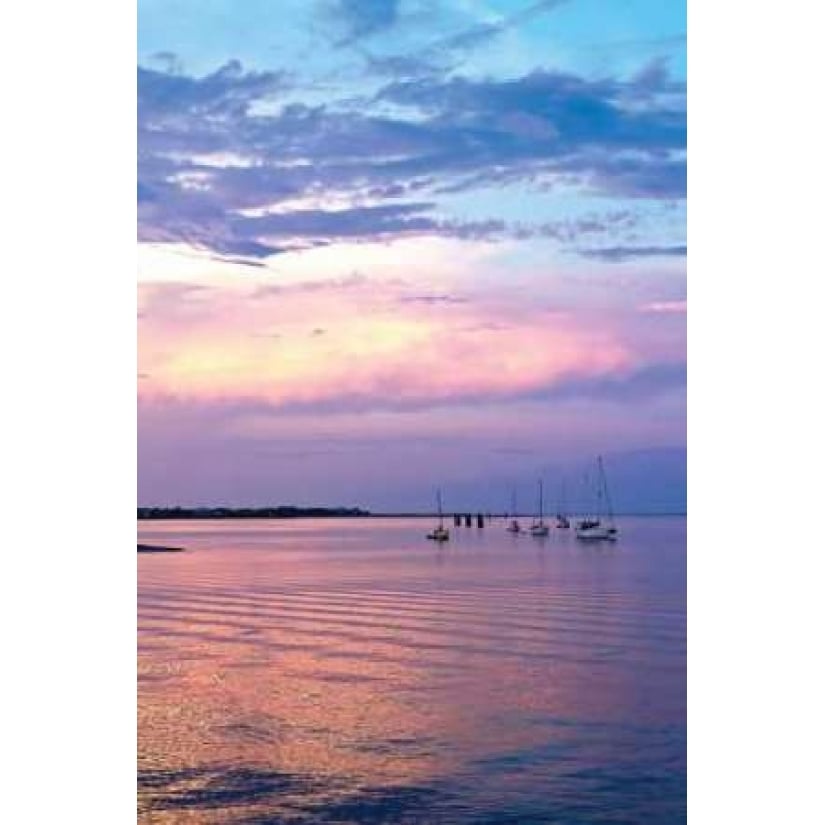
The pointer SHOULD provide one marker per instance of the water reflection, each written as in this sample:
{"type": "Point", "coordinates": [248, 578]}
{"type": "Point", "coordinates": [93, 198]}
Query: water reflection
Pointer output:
{"type": "Point", "coordinates": [346, 672]}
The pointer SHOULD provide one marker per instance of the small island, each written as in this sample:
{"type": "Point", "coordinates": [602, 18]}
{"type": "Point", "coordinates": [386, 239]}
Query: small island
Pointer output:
{"type": "Point", "coordinates": [156, 548]}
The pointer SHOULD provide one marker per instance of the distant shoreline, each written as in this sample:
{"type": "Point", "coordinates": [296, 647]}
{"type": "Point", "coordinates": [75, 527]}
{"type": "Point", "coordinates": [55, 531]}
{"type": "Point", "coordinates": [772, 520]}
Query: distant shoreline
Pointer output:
{"type": "Point", "coordinates": [287, 513]}
{"type": "Point", "coordinates": [284, 512]}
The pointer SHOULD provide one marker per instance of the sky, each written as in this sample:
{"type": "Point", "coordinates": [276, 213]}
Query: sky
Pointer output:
{"type": "Point", "coordinates": [386, 246]}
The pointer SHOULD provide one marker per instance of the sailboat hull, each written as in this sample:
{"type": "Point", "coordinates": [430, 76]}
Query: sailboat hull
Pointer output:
{"type": "Point", "coordinates": [597, 534]}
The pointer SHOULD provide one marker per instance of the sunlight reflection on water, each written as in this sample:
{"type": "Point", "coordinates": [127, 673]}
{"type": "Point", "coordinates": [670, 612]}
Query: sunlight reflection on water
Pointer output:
{"type": "Point", "coordinates": [350, 671]}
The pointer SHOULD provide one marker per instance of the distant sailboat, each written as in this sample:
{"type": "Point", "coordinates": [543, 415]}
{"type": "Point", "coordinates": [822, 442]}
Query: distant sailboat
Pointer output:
{"type": "Point", "coordinates": [602, 526]}
{"type": "Point", "coordinates": [562, 522]}
{"type": "Point", "coordinates": [539, 528]}
{"type": "Point", "coordinates": [513, 526]}
{"type": "Point", "coordinates": [441, 533]}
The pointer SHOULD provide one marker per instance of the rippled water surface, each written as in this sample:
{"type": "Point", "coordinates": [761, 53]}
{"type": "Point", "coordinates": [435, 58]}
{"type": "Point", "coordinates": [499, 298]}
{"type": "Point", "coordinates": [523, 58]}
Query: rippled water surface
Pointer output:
{"type": "Point", "coordinates": [350, 671]}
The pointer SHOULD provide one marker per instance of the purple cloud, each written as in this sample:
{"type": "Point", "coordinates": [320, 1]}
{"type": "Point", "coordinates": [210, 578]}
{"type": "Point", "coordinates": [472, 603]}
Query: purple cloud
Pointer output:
{"type": "Point", "coordinates": [619, 254]}
{"type": "Point", "coordinates": [222, 166]}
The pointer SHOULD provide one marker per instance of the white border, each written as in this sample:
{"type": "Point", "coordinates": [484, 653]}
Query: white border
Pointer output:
{"type": "Point", "coordinates": [755, 689]}
{"type": "Point", "coordinates": [69, 380]}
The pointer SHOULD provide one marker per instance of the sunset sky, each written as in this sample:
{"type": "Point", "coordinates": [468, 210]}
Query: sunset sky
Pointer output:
{"type": "Point", "coordinates": [385, 246]}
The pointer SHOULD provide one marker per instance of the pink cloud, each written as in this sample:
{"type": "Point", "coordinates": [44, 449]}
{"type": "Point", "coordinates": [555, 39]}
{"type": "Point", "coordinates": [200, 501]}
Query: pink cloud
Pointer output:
{"type": "Point", "coordinates": [668, 307]}
{"type": "Point", "coordinates": [359, 338]}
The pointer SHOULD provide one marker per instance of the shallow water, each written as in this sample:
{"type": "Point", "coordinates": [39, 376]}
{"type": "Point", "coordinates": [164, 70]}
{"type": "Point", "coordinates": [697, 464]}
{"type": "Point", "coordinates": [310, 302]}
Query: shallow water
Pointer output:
{"type": "Point", "coordinates": [349, 671]}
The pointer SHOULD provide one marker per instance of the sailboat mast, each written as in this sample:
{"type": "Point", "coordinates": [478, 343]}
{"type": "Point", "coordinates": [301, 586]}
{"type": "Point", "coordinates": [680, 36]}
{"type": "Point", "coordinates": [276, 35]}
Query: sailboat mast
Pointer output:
{"type": "Point", "coordinates": [541, 501]}
{"type": "Point", "coordinates": [440, 513]}
{"type": "Point", "coordinates": [603, 479]}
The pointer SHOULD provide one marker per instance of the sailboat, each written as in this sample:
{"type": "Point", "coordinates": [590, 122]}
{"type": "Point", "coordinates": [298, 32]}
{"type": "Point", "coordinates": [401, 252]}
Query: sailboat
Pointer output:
{"type": "Point", "coordinates": [441, 533]}
{"type": "Point", "coordinates": [539, 528]}
{"type": "Point", "coordinates": [513, 526]}
{"type": "Point", "coordinates": [601, 527]}
{"type": "Point", "coordinates": [562, 522]}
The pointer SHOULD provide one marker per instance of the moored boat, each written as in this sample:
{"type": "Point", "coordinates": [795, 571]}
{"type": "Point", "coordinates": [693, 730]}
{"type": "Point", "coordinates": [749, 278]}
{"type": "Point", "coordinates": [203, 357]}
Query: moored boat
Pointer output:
{"type": "Point", "coordinates": [513, 526]}
{"type": "Point", "coordinates": [562, 522]}
{"type": "Point", "coordinates": [538, 527]}
{"type": "Point", "coordinates": [440, 533]}
{"type": "Point", "coordinates": [602, 526]}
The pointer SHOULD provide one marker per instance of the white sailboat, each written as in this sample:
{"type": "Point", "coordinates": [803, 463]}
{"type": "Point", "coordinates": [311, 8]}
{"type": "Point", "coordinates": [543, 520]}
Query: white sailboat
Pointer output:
{"type": "Point", "coordinates": [602, 526]}
{"type": "Point", "coordinates": [513, 526]}
{"type": "Point", "coordinates": [440, 533]}
{"type": "Point", "coordinates": [539, 528]}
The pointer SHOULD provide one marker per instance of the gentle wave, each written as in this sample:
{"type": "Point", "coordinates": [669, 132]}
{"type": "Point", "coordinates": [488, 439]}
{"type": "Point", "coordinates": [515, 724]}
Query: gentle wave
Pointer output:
{"type": "Point", "coordinates": [350, 672]}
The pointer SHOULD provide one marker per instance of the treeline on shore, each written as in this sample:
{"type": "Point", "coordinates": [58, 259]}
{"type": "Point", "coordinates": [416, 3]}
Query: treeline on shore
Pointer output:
{"type": "Point", "coordinates": [248, 512]}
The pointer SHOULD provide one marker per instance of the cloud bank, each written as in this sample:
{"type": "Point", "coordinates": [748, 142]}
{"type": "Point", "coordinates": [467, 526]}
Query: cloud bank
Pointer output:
{"type": "Point", "coordinates": [227, 165]}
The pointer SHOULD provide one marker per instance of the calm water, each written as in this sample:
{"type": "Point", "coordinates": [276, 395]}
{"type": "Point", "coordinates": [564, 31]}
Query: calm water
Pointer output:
{"type": "Point", "coordinates": [350, 671]}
